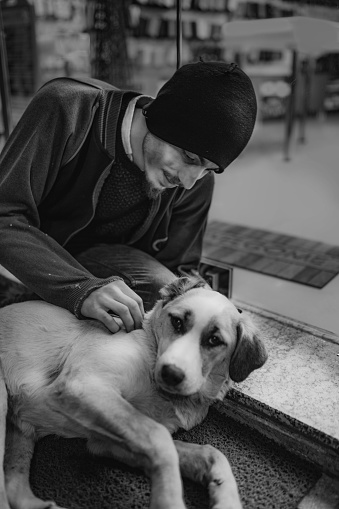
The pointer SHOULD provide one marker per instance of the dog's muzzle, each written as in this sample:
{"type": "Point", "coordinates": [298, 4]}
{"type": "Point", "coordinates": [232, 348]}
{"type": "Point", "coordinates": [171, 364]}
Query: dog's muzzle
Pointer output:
{"type": "Point", "coordinates": [171, 375]}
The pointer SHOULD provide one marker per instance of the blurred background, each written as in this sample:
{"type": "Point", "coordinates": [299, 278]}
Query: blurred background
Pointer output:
{"type": "Point", "coordinates": [132, 44]}
{"type": "Point", "coordinates": [287, 179]}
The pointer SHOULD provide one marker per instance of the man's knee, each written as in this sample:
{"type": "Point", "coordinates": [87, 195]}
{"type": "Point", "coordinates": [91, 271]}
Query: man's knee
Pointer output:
{"type": "Point", "coordinates": [141, 271]}
{"type": "Point", "coordinates": [160, 277]}
{"type": "Point", "coordinates": [149, 286]}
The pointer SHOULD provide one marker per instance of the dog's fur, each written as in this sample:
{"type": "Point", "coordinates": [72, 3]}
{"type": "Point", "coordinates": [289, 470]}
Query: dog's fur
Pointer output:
{"type": "Point", "coordinates": [125, 393]}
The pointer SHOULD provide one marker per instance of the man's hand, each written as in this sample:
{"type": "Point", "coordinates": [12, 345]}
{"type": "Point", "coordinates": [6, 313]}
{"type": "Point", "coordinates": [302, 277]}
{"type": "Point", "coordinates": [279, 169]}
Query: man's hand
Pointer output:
{"type": "Point", "coordinates": [117, 298]}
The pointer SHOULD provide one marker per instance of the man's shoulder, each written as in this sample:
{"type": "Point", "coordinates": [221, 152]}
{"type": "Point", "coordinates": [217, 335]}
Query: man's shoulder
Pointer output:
{"type": "Point", "coordinates": [92, 82]}
{"type": "Point", "coordinates": [80, 91]}
{"type": "Point", "coordinates": [68, 85]}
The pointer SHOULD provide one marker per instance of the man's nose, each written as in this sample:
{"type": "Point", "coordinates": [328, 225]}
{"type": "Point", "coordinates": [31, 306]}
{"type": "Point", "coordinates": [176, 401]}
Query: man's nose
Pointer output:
{"type": "Point", "coordinates": [189, 176]}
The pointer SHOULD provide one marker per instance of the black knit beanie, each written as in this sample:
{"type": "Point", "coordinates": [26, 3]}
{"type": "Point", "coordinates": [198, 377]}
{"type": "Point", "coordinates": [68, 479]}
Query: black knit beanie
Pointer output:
{"type": "Point", "coordinates": [208, 108]}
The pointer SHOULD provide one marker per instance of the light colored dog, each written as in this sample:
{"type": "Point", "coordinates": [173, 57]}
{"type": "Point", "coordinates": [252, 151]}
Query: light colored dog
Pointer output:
{"type": "Point", "coordinates": [125, 393]}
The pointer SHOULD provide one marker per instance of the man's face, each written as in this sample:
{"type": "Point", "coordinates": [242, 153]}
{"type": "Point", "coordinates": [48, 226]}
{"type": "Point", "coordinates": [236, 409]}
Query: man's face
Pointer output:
{"type": "Point", "coordinates": [168, 166]}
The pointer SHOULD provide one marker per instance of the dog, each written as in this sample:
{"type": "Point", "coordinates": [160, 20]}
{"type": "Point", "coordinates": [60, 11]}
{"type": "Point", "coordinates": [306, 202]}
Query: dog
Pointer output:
{"type": "Point", "coordinates": [125, 393]}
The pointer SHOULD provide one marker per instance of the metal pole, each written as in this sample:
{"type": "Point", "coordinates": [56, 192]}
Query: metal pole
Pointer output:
{"type": "Point", "coordinates": [305, 87]}
{"type": "Point", "coordinates": [179, 33]}
{"type": "Point", "coordinates": [4, 83]}
{"type": "Point", "coordinates": [290, 113]}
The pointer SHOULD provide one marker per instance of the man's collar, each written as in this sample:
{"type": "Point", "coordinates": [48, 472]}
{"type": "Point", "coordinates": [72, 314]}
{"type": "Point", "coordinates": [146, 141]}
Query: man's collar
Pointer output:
{"type": "Point", "coordinates": [136, 102]}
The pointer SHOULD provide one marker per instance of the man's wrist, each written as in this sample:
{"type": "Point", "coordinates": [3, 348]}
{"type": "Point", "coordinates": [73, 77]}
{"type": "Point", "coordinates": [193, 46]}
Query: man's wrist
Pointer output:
{"type": "Point", "coordinates": [82, 291]}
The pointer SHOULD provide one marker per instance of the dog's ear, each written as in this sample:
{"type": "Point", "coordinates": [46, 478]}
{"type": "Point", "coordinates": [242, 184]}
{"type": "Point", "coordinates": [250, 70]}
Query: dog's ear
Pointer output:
{"type": "Point", "coordinates": [250, 352]}
{"type": "Point", "coordinates": [180, 286]}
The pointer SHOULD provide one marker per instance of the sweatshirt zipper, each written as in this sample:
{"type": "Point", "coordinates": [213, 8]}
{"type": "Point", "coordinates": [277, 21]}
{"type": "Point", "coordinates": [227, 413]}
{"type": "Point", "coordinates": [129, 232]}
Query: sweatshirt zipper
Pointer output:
{"type": "Point", "coordinates": [95, 196]}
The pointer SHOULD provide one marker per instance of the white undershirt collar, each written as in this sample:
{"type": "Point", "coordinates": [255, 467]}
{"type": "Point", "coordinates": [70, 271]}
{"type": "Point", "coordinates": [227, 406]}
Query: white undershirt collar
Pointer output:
{"type": "Point", "coordinates": [127, 122]}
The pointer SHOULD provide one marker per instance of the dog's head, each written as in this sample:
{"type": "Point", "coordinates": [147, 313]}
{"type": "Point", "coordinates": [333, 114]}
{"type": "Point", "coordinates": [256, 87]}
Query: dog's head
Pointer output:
{"type": "Point", "coordinates": [203, 340]}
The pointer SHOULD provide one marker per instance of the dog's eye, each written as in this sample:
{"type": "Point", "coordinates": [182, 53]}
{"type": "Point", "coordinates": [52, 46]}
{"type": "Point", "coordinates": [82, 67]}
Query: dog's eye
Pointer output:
{"type": "Point", "coordinates": [177, 323]}
{"type": "Point", "coordinates": [214, 341]}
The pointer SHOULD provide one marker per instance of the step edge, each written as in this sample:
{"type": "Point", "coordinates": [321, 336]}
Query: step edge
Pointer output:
{"type": "Point", "coordinates": [307, 442]}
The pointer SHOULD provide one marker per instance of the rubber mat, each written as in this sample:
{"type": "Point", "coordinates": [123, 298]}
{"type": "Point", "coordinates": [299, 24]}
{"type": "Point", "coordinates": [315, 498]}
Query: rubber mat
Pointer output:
{"type": "Point", "coordinates": [268, 477]}
{"type": "Point", "coordinates": [283, 256]}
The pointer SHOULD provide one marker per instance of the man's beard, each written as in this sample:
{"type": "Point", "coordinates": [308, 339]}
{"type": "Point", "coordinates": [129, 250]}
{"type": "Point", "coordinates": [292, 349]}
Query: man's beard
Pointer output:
{"type": "Point", "coordinates": [152, 192]}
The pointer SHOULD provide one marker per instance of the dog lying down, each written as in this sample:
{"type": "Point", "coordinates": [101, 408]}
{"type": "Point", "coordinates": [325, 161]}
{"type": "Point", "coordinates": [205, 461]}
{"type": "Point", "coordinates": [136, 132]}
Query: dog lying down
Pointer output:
{"type": "Point", "coordinates": [125, 393]}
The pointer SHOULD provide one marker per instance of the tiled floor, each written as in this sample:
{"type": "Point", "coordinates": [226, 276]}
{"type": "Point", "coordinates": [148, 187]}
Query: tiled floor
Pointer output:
{"type": "Point", "coordinates": [283, 256]}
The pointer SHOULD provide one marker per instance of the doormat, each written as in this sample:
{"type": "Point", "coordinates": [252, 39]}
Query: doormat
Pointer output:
{"type": "Point", "coordinates": [283, 256]}
{"type": "Point", "coordinates": [268, 476]}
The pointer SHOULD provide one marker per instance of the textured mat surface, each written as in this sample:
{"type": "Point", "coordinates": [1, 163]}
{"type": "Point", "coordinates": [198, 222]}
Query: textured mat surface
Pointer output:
{"type": "Point", "coordinates": [268, 477]}
{"type": "Point", "coordinates": [283, 256]}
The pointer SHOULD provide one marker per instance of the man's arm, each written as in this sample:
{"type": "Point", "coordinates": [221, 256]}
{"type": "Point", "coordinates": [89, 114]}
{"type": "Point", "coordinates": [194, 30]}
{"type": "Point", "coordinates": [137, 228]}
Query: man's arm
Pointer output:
{"type": "Point", "coordinates": [182, 251]}
{"type": "Point", "coordinates": [50, 131]}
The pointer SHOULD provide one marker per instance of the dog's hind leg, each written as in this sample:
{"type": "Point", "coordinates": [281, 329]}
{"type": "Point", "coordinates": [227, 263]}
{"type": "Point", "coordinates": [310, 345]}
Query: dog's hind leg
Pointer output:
{"type": "Point", "coordinates": [3, 415]}
{"type": "Point", "coordinates": [19, 452]}
{"type": "Point", "coordinates": [207, 465]}
{"type": "Point", "coordinates": [105, 415]}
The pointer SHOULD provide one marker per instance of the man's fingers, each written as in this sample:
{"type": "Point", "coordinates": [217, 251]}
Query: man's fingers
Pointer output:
{"type": "Point", "coordinates": [130, 310]}
{"type": "Point", "coordinates": [108, 321]}
{"type": "Point", "coordinates": [104, 310]}
{"type": "Point", "coordinates": [134, 296]}
{"type": "Point", "coordinates": [124, 312]}
{"type": "Point", "coordinates": [126, 304]}
{"type": "Point", "coordinates": [116, 298]}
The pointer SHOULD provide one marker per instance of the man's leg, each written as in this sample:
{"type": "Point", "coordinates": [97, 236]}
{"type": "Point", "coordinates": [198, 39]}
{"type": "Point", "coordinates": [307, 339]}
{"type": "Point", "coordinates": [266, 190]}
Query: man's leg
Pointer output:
{"type": "Point", "coordinates": [140, 271]}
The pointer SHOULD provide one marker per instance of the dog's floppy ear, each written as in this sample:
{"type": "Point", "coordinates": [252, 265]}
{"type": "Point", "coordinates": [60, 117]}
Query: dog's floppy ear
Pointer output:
{"type": "Point", "coordinates": [250, 352]}
{"type": "Point", "coordinates": [180, 286]}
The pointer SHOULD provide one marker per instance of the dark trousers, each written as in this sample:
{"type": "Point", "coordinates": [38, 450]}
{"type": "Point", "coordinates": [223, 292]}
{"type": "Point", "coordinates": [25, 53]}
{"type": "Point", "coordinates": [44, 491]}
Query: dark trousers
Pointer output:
{"type": "Point", "coordinates": [140, 271]}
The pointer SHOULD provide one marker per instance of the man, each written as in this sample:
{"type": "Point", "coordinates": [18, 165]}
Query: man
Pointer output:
{"type": "Point", "coordinates": [104, 194]}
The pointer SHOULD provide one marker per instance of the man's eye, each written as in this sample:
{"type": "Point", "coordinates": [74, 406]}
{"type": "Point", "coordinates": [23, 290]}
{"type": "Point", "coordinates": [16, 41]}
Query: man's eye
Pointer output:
{"type": "Point", "coordinates": [177, 323]}
{"type": "Point", "coordinates": [189, 158]}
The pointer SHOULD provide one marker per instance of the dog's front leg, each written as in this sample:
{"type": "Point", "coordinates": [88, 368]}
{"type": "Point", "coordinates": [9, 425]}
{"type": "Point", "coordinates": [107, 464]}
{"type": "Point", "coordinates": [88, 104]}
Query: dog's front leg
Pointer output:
{"type": "Point", "coordinates": [105, 416]}
{"type": "Point", "coordinates": [207, 465]}
{"type": "Point", "coordinates": [19, 452]}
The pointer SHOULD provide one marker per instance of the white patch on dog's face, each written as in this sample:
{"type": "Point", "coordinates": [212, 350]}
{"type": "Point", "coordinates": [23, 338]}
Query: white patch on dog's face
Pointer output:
{"type": "Point", "coordinates": [197, 335]}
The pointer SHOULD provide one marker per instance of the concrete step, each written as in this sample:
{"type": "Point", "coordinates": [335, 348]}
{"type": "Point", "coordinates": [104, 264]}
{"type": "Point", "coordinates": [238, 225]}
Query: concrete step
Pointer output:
{"type": "Point", "coordinates": [294, 398]}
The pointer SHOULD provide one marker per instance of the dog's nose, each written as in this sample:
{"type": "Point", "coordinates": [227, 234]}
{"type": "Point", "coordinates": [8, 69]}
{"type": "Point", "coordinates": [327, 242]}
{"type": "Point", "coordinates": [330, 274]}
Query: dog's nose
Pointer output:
{"type": "Point", "coordinates": [172, 375]}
